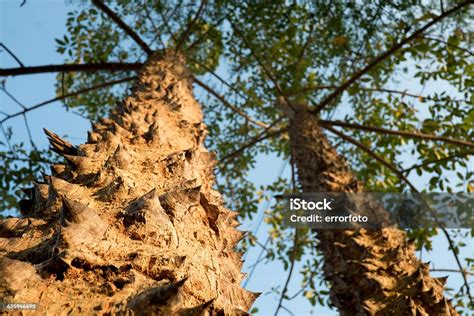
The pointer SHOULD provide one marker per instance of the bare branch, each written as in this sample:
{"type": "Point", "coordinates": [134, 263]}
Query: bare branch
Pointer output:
{"type": "Point", "coordinates": [4, 72]}
{"type": "Point", "coordinates": [122, 25]}
{"type": "Point", "coordinates": [459, 155]}
{"type": "Point", "coordinates": [402, 177]}
{"type": "Point", "coordinates": [264, 68]}
{"type": "Point", "coordinates": [267, 133]}
{"type": "Point", "coordinates": [447, 44]}
{"type": "Point", "coordinates": [219, 78]}
{"type": "Point", "coordinates": [452, 270]}
{"type": "Point", "coordinates": [203, 36]}
{"type": "Point", "coordinates": [385, 55]}
{"type": "Point", "coordinates": [391, 91]}
{"type": "Point", "coordinates": [12, 97]}
{"type": "Point", "coordinates": [103, 85]}
{"type": "Point", "coordinates": [5, 135]}
{"type": "Point", "coordinates": [398, 133]}
{"type": "Point", "coordinates": [11, 54]}
{"type": "Point", "coordinates": [227, 104]}
{"type": "Point", "coordinates": [167, 26]}
{"type": "Point", "coordinates": [155, 28]}
{"type": "Point", "coordinates": [290, 272]}
{"type": "Point", "coordinates": [28, 129]}
{"type": "Point", "coordinates": [189, 28]}
{"type": "Point", "coordinates": [287, 310]}
{"type": "Point", "coordinates": [255, 264]}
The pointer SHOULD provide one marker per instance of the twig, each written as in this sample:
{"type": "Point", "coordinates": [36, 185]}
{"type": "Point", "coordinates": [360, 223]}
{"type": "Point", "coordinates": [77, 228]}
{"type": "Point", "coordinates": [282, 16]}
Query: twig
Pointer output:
{"type": "Point", "coordinates": [398, 133]}
{"type": "Point", "coordinates": [447, 44]}
{"type": "Point", "coordinates": [384, 56]}
{"type": "Point", "coordinates": [267, 71]}
{"type": "Point", "coordinates": [187, 32]}
{"type": "Point", "coordinates": [308, 41]}
{"type": "Point", "coordinates": [407, 170]}
{"type": "Point", "coordinates": [452, 270]}
{"type": "Point", "coordinates": [203, 36]}
{"type": "Point", "coordinates": [6, 137]}
{"type": "Point", "coordinates": [167, 26]}
{"type": "Point", "coordinates": [11, 53]}
{"type": "Point", "coordinates": [227, 104]}
{"type": "Point", "coordinates": [287, 310]}
{"type": "Point", "coordinates": [209, 70]}
{"type": "Point", "coordinates": [4, 72]}
{"type": "Point", "coordinates": [28, 130]}
{"type": "Point", "coordinates": [254, 265]}
{"type": "Point", "coordinates": [391, 91]}
{"type": "Point", "coordinates": [123, 25]}
{"type": "Point", "coordinates": [155, 28]}
{"type": "Point", "coordinates": [295, 242]}
{"type": "Point", "coordinates": [262, 136]}
{"type": "Point", "coordinates": [290, 272]}
{"type": "Point", "coordinates": [72, 94]}
{"type": "Point", "coordinates": [12, 97]}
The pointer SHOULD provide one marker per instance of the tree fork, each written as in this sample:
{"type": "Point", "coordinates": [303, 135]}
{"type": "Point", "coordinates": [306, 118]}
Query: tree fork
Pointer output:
{"type": "Point", "coordinates": [371, 272]}
{"type": "Point", "coordinates": [130, 221]}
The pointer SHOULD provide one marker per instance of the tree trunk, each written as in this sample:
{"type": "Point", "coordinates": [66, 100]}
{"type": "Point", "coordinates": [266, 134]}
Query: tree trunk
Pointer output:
{"type": "Point", "coordinates": [371, 272]}
{"type": "Point", "coordinates": [131, 223]}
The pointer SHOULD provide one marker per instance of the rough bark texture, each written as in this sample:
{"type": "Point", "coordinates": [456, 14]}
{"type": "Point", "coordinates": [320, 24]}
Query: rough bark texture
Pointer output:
{"type": "Point", "coordinates": [370, 272]}
{"type": "Point", "coordinates": [130, 224]}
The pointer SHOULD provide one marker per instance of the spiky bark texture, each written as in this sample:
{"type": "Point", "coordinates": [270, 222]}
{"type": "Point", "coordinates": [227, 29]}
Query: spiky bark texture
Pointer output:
{"type": "Point", "coordinates": [130, 223]}
{"type": "Point", "coordinates": [371, 272]}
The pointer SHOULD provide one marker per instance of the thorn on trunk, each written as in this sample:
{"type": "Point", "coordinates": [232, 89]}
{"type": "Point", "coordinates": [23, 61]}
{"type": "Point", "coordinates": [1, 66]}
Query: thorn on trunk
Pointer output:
{"type": "Point", "coordinates": [155, 297]}
{"type": "Point", "coordinates": [120, 158]}
{"type": "Point", "coordinates": [196, 310]}
{"type": "Point", "coordinates": [59, 145]}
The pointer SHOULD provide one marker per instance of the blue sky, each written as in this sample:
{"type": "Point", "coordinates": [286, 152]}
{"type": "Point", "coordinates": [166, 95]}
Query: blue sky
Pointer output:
{"type": "Point", "coordinates": [29, 31]}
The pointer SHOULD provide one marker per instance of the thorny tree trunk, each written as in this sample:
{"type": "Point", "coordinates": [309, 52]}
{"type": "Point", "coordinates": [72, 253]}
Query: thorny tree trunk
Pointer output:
{"type": "Point", "coordinates": [370, 272]}
{"type": "Point", "coordinates": [130, 223]}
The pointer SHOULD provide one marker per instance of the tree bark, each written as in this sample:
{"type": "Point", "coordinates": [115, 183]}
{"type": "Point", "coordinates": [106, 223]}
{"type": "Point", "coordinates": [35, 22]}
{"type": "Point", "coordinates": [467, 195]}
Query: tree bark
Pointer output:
{"type": "Point", "coordinates": [130, 224]}
{"type": "Point", "coordinates": [371, 272]}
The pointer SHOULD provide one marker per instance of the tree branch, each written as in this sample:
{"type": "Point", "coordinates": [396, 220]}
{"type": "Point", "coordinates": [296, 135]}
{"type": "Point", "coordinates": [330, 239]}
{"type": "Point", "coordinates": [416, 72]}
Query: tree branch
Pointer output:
{"type": "Point", "coordinates": [167, 26]}
{"type": "Point", "coordinates": [267, 133]}
{"type": "Point", "coordinates": [447, 44]}
{"type": "Point", "coordinates": [402, 177]}
{"type": "Point", "coordinates": [398, 133]}
{"type": "Point", "coordinates": [407, 170]}
{"type": "Point", "coordinates": [103, 85]}
{"type": "Point", "coordinates": [203, 36]}
{"type": "Point", "coordinates": [391, 91]}
{"type": "Point", "coordinates": [122, 25]}
{"type": "Point", "coordinates": [265, 69]}
{"type": "Point", "coordinates": [11, 54]}
{"type": "Point", "coordinates": [292, 265]}
{"type": "Point", "coordinates": [219, 78]}
{"type": "Point", "coordinates": [12, 97]}
{"type": "Point", "coordinates": [155, 28]}
{"type": "Point", "coordinates": [384, 56]}
{"type": "Point", "coordinates": [4, 72]}
{"type": "Point", "coordinates": [186, 32]}
{"type": "Point", "coordinates": [227, 104]}
{"type": "Point", "coordinates": [452, 270]}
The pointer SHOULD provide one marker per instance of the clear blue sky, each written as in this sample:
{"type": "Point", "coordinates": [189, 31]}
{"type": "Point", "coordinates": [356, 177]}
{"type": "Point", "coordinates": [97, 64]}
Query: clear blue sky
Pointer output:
{"type": "Point", "coordinates": [29, 31]}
